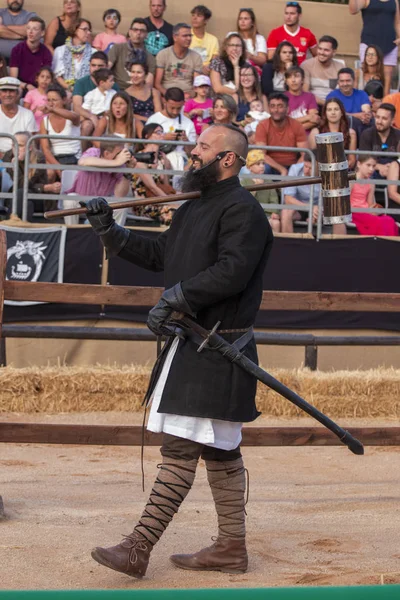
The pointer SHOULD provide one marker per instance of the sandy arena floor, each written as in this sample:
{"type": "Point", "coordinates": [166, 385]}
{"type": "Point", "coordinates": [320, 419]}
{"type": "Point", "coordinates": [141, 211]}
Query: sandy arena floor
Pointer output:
{"type": "Point", "coordinates": [316, 516]}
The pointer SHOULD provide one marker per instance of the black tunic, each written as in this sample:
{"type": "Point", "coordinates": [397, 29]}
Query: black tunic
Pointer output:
{"type": "Point", "coordinates": [217, 247]}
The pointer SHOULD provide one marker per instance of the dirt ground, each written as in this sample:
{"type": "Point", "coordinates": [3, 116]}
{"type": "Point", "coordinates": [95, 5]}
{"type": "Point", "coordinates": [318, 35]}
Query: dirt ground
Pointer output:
{"type": "Point", "coordinates": [316, 516]}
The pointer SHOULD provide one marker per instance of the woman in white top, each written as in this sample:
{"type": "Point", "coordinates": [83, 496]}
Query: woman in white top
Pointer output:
{"type": "Point", "coordinates": [71, 61]}
{"type": "Point", "coordinates": [255, 43]}
{"type": "Point", "coordinates": [59, 121]}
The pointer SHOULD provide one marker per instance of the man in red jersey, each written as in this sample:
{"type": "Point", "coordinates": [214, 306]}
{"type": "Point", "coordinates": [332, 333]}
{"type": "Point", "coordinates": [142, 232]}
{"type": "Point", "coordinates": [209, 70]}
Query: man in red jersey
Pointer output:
{"type": "Point", "coordinates": [291, 31]}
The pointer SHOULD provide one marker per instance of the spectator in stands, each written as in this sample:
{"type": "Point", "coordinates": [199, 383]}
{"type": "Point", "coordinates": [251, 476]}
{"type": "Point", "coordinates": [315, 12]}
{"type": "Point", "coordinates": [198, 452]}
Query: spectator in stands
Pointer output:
{"type": "Point", "coordinates": [59, 121]}
{"type": "Point", "coordinates": [105, 41]}
{"type": "Point", "coordinates": [145, 99]}
{"type": "Point", "coordinates": [58, 28]}
{"type": "Point", "coordinates": [255, 164]}
{"type": "Point", "coordinates": [382, 137]}
{"type": "Point", "coordinates": [394, 100]}
{"type": "Point", "coordinates": [160, 31]}
{"type": "Point", "coordinates": [321, 72]}
{"type": "Point", "coordinates": [302, 105]}
{"type": "Point", "coordinates": [177, 66]}
{"type": "Point", "coordinates": [280, 130]}
{"type": "Point", "coordinates": [374, 91]}
{"type": "Point", "coordinates": [371, 68]}
{"type": "Point", "coordinates": [291, 31]}
{"type": "Point", "coordinates": [29, 56]}
{"type": "Point", "coordinates": [256, 47]}
{"type": "Point", "coordinates": [98, 101]}
{"type": "Point", "coordinates": [381, 26]}
{"type": "Point", "coordinates": [72, 61]}
{"type": "Point", "coordinates": [363, 196]}
{"type": "Point", "coordinates": [147, 185]}
{"type": "Point", "coordinates": [14, 20]}
{"type": "Point", "coordinates": [300, 195]}
{"type": "Point", "coordinates": [356, 102]}
{"type": "Point", "coordinates": [37, 178]}
{"type": "Point", "coordinates": [36, 98]}
{"type": "Point", "coordinates": [224, 110]}
{"type": "Point", "coordinates": [225, 69]}
{"type": "Point", "coordinates": [273, 73]}
{"type": "Point", "coordinates": [131, 51]}
{"type": "Point", "coordinates": [249, 90]}
{"type": "Point", "coordinates": [333, 119]}
{"type": "Point", "coordinates": [253, 117]}
{"type": "Point", "coordinates": [204, 43]}
{"type": "Point", "coordinates": [119, 121]}
{"type": "Point", "coordinates": [394, 190]}
{"type": "Point", "coordinates": [198, 108]}
{"type": "Point", "coordinates": [13, 117]}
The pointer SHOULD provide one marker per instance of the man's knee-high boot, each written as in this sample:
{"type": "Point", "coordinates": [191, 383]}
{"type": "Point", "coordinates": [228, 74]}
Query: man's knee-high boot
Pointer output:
{"type": "Point", "coordinates": [171, 487]}
{"type": "Point", "coordinates": [228, 554]}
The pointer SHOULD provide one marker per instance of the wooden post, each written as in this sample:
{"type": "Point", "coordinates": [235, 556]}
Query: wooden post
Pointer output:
{"type": "Point", "coordinates": [3, 265]}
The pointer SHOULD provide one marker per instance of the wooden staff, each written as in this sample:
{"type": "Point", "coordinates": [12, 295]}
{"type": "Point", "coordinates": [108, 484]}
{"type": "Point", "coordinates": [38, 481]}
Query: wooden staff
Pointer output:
{"type": "Point", "coordinates": [333, 167]}
{"type": "Point", "coordinates": [55, 214]}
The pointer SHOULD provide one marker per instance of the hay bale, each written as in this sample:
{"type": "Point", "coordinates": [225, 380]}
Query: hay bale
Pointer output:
{"type": "Point", "coordinates": [372, 393]}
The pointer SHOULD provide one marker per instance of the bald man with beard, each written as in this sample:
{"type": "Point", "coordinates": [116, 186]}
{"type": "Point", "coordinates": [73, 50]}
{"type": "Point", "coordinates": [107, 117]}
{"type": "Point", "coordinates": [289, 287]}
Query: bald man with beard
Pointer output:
{"type": "Point", "coordinates": [213, 258]}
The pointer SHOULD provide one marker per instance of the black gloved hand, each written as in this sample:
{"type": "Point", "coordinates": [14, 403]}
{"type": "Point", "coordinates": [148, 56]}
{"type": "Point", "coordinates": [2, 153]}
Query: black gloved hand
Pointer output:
{"type": "Point", "coordinates": [159, 316]}
{"type": "Point", "coordinates": [99, 214]}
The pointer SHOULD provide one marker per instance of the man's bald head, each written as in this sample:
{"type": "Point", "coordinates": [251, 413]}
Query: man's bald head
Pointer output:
{"type": "Point", "coordinates": [233, 139]}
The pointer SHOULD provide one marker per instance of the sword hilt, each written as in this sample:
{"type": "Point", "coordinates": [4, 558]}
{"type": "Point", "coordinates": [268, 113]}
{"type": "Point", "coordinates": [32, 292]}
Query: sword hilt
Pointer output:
{"type": "Point", "coordinates": [207, 339]}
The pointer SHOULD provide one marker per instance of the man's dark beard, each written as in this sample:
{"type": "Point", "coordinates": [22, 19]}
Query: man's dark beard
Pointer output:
{"type": "Point", "coordinates": [197, 180]}
{"type": "Point", "coordinates": [15, 6]}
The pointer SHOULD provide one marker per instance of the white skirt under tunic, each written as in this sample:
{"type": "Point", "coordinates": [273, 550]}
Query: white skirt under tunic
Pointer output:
{"type": "Point", "coordinates": [225, 435]}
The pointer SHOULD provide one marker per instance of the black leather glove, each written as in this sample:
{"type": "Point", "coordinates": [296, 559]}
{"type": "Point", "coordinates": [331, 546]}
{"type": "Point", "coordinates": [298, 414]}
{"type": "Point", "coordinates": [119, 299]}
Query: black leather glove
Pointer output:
{"type": "Point", "coordinates": [100, 216]}
{"type": "Point", "coordinates": [172, 299]}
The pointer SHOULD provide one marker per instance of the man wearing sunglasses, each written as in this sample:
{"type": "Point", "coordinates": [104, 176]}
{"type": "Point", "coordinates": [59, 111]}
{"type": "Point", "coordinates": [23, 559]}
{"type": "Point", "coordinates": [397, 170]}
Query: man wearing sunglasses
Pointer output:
{"type": "Point", "coordinates": [291, 31]}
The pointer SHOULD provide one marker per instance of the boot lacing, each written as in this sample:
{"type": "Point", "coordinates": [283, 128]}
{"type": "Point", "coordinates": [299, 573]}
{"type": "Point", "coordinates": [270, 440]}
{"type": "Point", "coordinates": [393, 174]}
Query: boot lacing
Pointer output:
{"type": "Point", "coordinates": [133, 544]}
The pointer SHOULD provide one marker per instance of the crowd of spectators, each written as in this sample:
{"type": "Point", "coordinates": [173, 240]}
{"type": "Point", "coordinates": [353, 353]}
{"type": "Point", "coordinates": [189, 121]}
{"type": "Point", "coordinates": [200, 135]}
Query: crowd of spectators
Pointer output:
{"type": "Point", "coordinates": [168, 82]}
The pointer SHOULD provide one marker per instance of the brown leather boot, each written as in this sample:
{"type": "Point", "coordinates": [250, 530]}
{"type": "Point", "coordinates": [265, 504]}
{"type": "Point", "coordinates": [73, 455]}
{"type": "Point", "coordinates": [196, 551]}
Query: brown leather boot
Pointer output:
{"type": "Point", "coordinates": [131, 556]}
{"type": "Point", "coordinates": [228, 555]}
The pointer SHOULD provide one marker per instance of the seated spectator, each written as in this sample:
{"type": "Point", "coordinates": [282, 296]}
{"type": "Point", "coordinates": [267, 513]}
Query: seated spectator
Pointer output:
{"type": "Point", "coordinates": [394, 190]}
{"type": "Point", "coordinates": [177, 66]}
{"type": "Point", "coordinates": [253, 117]}
{"type": "Point", "coordinates": [302, 105]}
{"type": "Point", "coordinates": [98, 101]}
{"type": "Point", "coordinates": [160, 31]}
{"type": "Point", "coordinates": [363, 196]}
{"type": "Point", "coordinates": [105, 41]}
{"type": "Point", "coordinates": [382, 137]}
{"type": "Point", "coordinates": [224, 110]}
{"type": "Point", "coordinates": [14, 20]}
{"type": "Point", "coordinates": [374, 91]}
{"type": "Point", "coordinates": [129, 52]}
{"type": "Point", "coordinates": [119, 121]}
{"type": "Point", "coordinates": [72, 61]}
{"type": "Point", "coordinates": [356, 102]}
{"type": "Point", "coordinates": [291, 31]}
{"type": "Point", "coordinates": [225, 69]}
{"type": "Point", "coordinates": [280, 130]}
{"type": "Point", "coordinates": [299, 195]}
{"type": "Point", "coordinates": [58, 28]}
{"type": "Point", "coordinates": [394, 100]}
{"type": "Point", "coordinates": [59, 121]}
{"type": "Point", "coordinates": [255, 164]}
{"type": "Point", "coordinates": [273, 73]}
{"type": "Point", "coordinates": [333, 119]}
{"type": "Point", "coordinates": [145, 99]}
{"type": "Point", "coordinates": [29, 56]}
{"type": "Point", "coordinates": [13, 117]}
{"type": "Point", "coordinates": [111, 154]}
{"type": "Point", "coordinates": [37, 178]}
{"type": "Point", "coordinates": [36, 99]}
{"type": "Point", "coordinates": [147, 186]}
{"type": "Point", "coordinates": [198, 108]}
{"type": "Point", "coordinates": [203, 43]}
{"type": "Point", "coordinates": [371, 68]}
{"type": "Point", "coordinates": [321, 72]}
{"type": "Point", "coordinates": [256, 47]}
{"type": "Point", "coordinates": [249, 90]}
{"type": "Point", "coordinates": [85, 85]}
{"type": "Point", "coordinates": [175, 125]}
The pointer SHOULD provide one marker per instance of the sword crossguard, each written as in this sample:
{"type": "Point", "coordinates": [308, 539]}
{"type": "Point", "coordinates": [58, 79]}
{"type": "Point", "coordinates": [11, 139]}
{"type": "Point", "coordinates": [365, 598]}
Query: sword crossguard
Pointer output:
{"type": "Point", "coordinates": [207, 339]}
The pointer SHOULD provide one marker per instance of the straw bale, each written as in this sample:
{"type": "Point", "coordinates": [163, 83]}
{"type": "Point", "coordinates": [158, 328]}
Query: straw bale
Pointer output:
{"type": "Point", "coordinates": [372, 393]}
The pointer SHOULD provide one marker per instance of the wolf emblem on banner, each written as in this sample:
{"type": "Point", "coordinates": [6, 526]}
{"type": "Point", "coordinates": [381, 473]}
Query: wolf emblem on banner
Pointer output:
{"type": "Point", "coordinates": [25, 260]}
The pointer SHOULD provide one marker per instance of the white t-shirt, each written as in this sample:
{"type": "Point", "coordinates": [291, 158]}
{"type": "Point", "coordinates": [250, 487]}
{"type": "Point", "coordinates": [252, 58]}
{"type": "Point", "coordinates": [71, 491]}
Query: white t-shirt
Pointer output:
{"type": "Point", "coordinates": [170, 125]}
{"type": "Point", "coordinates": [24, 120]}
{"type": "Point", "coordinates": [261, 45]}
{"type": "Point", "coordinates": [96, 102]}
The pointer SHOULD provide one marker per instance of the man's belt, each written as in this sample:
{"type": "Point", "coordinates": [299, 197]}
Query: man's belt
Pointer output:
{"type": "Point", "coordinates": [239, 344]}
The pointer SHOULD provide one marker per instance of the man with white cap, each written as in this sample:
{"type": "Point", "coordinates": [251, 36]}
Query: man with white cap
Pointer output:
{"type": "Point", "coordinates": [13, 117]}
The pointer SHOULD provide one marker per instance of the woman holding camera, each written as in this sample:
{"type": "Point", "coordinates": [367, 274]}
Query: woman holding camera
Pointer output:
{"type": "Point", "coordinates": [146, 186]}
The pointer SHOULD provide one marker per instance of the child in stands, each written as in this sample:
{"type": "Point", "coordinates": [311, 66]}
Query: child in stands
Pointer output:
{"type": "Point", "coordinates": [198, 108]}
{"type": "Point", "coordinates": [36, 99]}
{"type": "Point", "coordinates": [105, 41]}
{"type": "Point", "coordinates": [98, 100]}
